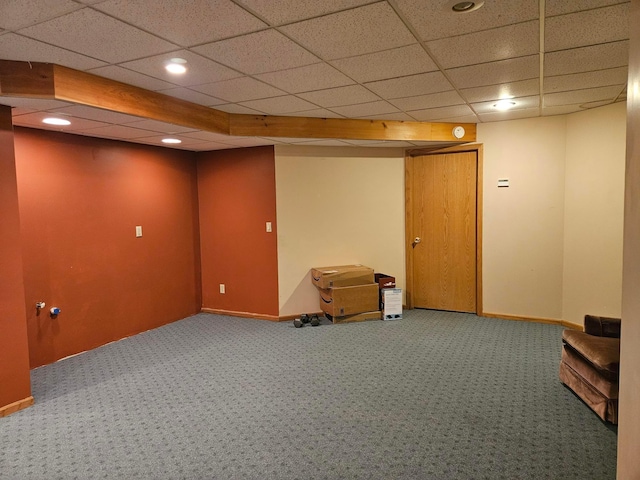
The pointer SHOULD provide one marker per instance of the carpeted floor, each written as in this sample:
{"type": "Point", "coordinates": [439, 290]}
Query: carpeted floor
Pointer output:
{"type": "Point", "coordinates": [436, 395]}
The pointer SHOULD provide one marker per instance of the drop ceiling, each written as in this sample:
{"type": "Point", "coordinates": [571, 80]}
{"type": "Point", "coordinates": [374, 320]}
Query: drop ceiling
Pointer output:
{"type": "Point", "coordinates": [408, 60]}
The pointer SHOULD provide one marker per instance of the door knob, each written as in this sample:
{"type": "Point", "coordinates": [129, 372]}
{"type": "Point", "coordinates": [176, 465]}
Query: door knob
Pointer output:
{"type": "Point", "coordinates": [416, 241]}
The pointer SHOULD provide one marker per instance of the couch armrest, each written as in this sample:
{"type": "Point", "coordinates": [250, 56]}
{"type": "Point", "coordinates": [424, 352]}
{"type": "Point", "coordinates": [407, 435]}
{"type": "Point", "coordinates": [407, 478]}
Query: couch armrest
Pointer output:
{"type": "Point", "coordinates": [602, 326]}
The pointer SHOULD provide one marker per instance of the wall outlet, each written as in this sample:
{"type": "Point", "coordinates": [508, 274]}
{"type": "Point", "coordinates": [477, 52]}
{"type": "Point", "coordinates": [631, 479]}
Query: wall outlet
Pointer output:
{"type": "Point", "coordinates": [222, 288]}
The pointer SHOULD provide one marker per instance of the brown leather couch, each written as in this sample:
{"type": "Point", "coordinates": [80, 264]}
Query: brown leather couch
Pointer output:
{"type": "Point", "coordinates": [590, 364]}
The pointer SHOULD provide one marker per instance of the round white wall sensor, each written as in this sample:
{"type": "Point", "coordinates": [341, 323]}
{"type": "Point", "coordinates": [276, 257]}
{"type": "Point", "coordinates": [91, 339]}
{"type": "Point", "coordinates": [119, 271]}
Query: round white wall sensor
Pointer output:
{"type": "Point", "coordinates": [458, 131]}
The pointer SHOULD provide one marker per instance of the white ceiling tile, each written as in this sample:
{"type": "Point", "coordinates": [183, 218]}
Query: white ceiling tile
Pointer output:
{"type": "Point", "coordinates": [98, 35]}
{"type": "Point", "coordinates": [436, 114]}
{"type": "Point", "coordinates": [360, 142]}
{"type": "Point", "coordinates": [390, 144]}
{"type": "Point", "coordinates": [185, 23]}
{"type": "Point", "coordinates": [600, 78]}
{"type": "Point", "coordinates": [130, 77]}
{"type": "Point", "coordinates": [32, 104]}
{"type": "Point", "coordinates": [605, 25]}
{"type": "Point", "coordinates": [560, 7]}
{"type": "Point", "coordinates": [237, 108]}
{"type": "Point", "coordinates": [365, 109]}
{"type": "Point", "coordinates": [156, 126]}
{"type": "Point", "coordinates": [522, 88]}
{"type": "Point", "coordinates": [582, 96]}
{"type": "Point", "coordinates": [584, 59]}
{"type": "Point", "coordinates": [192, 96]}
{"type": "Point", "coordinates": [398, 117]}
{"type": "Point", "coordinates": [501, 43]}
{"type": "Point", "coordinates": [333, 97]}
{"type": "Point", "coordinates": [288, 140]}
{"type": "Point", "coordinates": [157, 140]}
{"type": "Point", "coordinates": [97, 114]}
{"type": "Point", "coordinates": [397, 62]}
{"type": "Point", "coordinates": [602, 103]}
{"type": "Point", "coordinates": [117, 132]}
{"type": "Point", "coordinates": [17, 47]}
{"type": "Point", "coordinates": [318, 113]}
{"type": "Point", "coordinates": [422, 84]}
{"type": "Point", "coordinates": [304, 79]}
{"type": "Point", "coordinates": [199, 69]}
{"type": "Point", "coordinates": [509, 115]}
{"type": "Point", "coordinates": [494, 73]}
{"type": "Point", "coordinates": [365, 29]}
{"type": "Point", "coordinates": [248, 141]}
{"type": "Point", "coordinates": [433, 20]}
{"type": "Point", "coordinates": [203, 136]}
{"type": "Point", "coordinates": [279, 105]}
{"type": "Point", "coordinates": [16, 14]}
{"type": "Point", "coordinates": [325, 143]}
{"type": "Point", "coordinates": [239, 89]}
{"type": "Point", "coordinates": [420, 102]}
{"type": "Point", "coordinates": [35, 120]}
{"type": "Point", "coordinates": [521, 103]}
{"type": "Point", "coordinates": [17, 110]}
{"type": "Point", "coordinates": [287, 11]}
{"type": "Point", "coordinates": [562, 110]}
{"type": "Point", "coordinates": [259, 52]}
{"type": "Point", "coordinates": [210, 146]}
{"type": "Point", "coordinates": [462, 119]}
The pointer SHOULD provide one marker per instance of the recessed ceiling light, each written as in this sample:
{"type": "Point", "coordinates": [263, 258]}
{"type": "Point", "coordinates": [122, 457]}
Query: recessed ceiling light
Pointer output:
{"type": "Point", "coordinates": [176, 65]}
{"type": "Point", "coordinates": [465, 7]}
{"type": "Point", "coordinates": [171, 140]}
{"type": "Point", "coordinates": [56, 121]}
{"type": "Point", "coordinates": [504, 104]}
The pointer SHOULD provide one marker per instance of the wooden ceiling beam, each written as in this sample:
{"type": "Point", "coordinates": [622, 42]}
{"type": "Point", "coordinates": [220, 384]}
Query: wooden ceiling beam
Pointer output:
{"type": "Point", "coordinates": [88, 89]}
{"type": "Point", "coordinates": [44, 80]}
{"type": "Point", "coordinates": [347, 128]}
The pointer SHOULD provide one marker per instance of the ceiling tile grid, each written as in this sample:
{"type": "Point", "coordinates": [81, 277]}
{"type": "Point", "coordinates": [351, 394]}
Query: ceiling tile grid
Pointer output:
{"type": "Point", "coordinates": [185, 23]}
{"type": "Point", "coordinates": [99, 36]}
{"type": "Point", "coordinates": [260, 52]}
{"type": "Point", "coordinates": [362, 30]}
{"type": "Point", "coordinates": [406, 60]}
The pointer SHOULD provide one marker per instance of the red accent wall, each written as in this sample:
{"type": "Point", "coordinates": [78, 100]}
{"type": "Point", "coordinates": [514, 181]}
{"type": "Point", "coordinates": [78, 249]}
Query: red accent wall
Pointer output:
{"type": "Point", "coordinates": [237, 196]}
{"type": "Point", "coordinates": [14, 350]}
{"type": "Point", "coordinates": [80, 200]}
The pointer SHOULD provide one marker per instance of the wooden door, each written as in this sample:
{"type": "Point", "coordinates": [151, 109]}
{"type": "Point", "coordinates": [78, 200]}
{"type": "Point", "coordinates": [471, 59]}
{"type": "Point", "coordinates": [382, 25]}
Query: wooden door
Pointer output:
{"type": "Point", "coordinates": [444, 201]}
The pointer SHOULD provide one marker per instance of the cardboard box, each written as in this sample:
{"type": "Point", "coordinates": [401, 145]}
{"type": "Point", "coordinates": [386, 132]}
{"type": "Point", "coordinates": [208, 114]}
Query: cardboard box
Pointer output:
{"type": "Point", "coordinates": [341, 301]}
{"type": "Point", "coordinates": [384, 280]}
{"type": "Point", "coordinates": [341, 276]}
{"type": "Point", "coordinates": [392, 304]}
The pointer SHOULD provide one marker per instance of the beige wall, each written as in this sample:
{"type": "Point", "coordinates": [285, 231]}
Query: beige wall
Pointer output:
{"type": "Point", "coordinates": [523, 224]}
{"type": "Point", "coordinates": [629, 419]}
{"type": "Point", "coordinates": [594, 205]}
{"type": "Point", "coordinates": [551, 240]}
{"type": "Point", "coordinates": [336, 206]}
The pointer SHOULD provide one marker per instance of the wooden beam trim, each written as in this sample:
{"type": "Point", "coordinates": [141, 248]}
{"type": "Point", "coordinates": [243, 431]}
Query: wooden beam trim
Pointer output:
{"type": "Point", "coordinates": [26, 79]}
{"type": "Point", "coordinates": [346, 128]}
{"type": "Point", "coordinates": [88, 89]}
{"type": "Point", "coordinates": [43, 80]}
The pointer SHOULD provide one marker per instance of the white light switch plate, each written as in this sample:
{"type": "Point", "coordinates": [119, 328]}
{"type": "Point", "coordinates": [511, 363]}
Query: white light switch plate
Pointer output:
{"type": "Point", "coordinates": [138, 230]}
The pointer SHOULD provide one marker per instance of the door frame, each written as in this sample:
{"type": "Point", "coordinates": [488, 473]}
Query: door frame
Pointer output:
{"type": "Point", "coordinates": [408, 237]}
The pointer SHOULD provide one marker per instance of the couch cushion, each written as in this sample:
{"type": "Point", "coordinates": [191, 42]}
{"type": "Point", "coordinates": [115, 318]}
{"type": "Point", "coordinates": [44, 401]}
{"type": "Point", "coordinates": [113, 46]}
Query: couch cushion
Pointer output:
{"type": "Point", "coordinates": [602, 352]}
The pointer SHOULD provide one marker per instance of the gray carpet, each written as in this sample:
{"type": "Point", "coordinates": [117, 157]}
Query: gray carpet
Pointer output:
{"type": "Point", "coordinates": [436, 395]}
